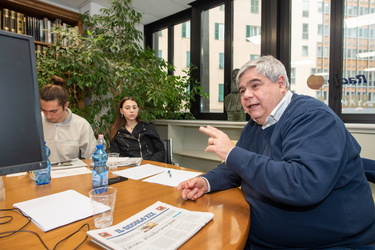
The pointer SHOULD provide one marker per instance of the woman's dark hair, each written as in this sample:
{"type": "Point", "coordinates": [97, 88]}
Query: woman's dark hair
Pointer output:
{"type": "Point", "coordinates": [120, 119]}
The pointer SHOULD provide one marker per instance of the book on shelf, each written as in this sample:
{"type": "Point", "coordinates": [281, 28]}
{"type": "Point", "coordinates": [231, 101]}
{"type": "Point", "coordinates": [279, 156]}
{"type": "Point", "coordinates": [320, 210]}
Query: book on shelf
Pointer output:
{"type": "Point", "coordinates": [6, 19]}
{"type": "Point", "coordinates": [41, 30]}
{"type": "Point", "coordinates": [155, 227]}
{"type": "Point", "coordinates": [38, 28]}
{"type": "Point", "coordinates": [55, 37]}
{"type": "Point", "coordinates": [13, 21]}
{"type": "Point", "coordinates": [20, 24]}
{"type": "Point", "coordinates": [47, 30]}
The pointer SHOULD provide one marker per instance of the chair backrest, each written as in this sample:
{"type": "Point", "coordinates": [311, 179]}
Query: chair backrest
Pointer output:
{"type": "Point", "coordinates": [168, 151]}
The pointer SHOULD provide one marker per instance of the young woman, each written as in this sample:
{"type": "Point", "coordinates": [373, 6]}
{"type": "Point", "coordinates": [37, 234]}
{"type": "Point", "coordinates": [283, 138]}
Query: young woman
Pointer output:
{"type": "Point", "coordinates": [131, 137]}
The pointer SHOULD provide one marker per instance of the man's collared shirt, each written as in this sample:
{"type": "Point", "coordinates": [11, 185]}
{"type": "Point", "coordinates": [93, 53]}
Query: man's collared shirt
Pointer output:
{"type": "Point", "coordinates": [278, 111]}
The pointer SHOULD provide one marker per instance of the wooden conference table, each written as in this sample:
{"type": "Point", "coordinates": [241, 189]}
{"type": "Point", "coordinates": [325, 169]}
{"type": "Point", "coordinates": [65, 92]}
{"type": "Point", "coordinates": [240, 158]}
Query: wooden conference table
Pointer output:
{"type": "Point", "coordinates": [228, 229]}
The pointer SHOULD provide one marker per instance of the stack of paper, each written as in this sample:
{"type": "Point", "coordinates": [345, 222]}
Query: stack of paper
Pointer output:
{"type": "Point", "coordinates": [56, 210]}
{"type": "Point", "coordinates": [160, 175]}
{"type": "Point", "coordinates": [129, 162]}
{"type": "Point", "coordinates": [74, 167]}
{"type": "Point", "coordinates": [126, 161]}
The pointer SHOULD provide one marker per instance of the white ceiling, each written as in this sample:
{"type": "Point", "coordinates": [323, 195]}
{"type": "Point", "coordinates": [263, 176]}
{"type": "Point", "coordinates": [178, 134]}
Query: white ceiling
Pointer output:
{"type": "Point", "coordinates": [151, 10]}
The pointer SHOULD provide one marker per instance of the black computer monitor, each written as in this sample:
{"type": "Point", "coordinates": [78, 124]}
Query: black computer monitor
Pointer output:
{"type": "Point", "coordinates": [21, 133]}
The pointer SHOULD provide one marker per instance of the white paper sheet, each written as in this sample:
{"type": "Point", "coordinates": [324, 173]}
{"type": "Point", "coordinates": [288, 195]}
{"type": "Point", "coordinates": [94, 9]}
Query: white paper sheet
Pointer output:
{"type": "Point", "coordinates": [176, 176]}
{"type": "Point", "coordinates": [56, 210]}
{"type": "Point", "coordinates": [125, 161]}
{"type": "Point", "coordinates": [140, 172]}
{"type": "Point", "coordinates": [75, 163]}
{"type": "Point", "coordinates": [69, 172]}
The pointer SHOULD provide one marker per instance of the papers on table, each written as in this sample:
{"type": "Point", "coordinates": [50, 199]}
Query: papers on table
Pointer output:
{"type": "Point", "coordinates": [126, 161]}
{"type": "Point", "coordinates": [160, 174]}
{"type": "Point", "coordinates": [176, 176]}
{"type": "Point", "coordinates": [74, 167]}
{"type": "Point", "coordinates": [140, 172]}
{"type": "Point", "coordinates": [159, 226]}
{"type": "Point", "coordinates": [55, 210]}
{"type": "Point", "coordinates": [75, 163]}
{"type": "Point", "coordinates": [69, 172]}
{"type": "Point", "coordinates": [129, 161]}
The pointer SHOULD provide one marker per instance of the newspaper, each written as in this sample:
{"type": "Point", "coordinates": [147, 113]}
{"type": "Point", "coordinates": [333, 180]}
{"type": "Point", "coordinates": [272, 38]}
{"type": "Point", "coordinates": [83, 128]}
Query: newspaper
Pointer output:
{"type": "Point", "coordinates": [160, 226]}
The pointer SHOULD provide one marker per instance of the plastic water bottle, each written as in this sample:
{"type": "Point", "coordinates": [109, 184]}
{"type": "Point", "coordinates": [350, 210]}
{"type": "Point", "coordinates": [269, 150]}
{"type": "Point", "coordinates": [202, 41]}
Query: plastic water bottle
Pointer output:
{"type": "Point", "coordinates": [100, 170]}
{"type": "Point", "coordinates": [101, 141]}
{"type": "Point", "coordinates": [43, 176]}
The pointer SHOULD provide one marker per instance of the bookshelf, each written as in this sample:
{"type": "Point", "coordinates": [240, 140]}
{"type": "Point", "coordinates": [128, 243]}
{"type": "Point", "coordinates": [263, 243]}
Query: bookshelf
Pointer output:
{"type": "Point", "coordinates": [36, 15]}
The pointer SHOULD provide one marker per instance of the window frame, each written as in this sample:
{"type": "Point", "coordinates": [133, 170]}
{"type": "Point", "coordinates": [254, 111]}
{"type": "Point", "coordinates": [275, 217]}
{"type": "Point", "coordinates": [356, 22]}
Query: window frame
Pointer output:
{"type": "Point", "coordinates": [275, 40]}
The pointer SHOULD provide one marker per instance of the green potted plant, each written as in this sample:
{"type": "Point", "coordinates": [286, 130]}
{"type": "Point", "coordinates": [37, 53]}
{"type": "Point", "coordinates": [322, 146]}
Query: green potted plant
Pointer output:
{"type": "Point", "coordinates": [106, 63]}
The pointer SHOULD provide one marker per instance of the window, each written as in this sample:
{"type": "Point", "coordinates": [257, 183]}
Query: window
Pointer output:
{"type": "Point", "coordinates": [210, 74]}
{"type": "Point", "coordinates": [160, 44]}
{"type": "Point", "coordinates": [252, 56]}
{"type": "Point", "coordinates": [304, 44]}
{"type": "Point", "coordinates": [320, 7]}
{"type": "Point", "coordinates": [303, 60]}
{"type": "Point", "coordinates": [186, 29]}
{"type": "Point", "coordinates": [221, 92]}
{"type": "Point", "coordinates": [320, 29]}
{"type": "Point", "coordinates": [305, 51]}
{"type": "Point", "coordinates": [292, 79]}
{"type": "Point", "coordinates": [187, 59]}
{"type": "Point", "coordinates": [181, 48]}
{"type": "Point", "coordinates": [221, 60]}
{"type": "Point", "coordinates": [252, 33]}
{"type": "Point", "coordinates": [305, 8]}
{"type": "Point", "coordinates": [305, 31]}
{"type": "Point", "coordinates": [319, 51]}
{"type": "Point", "coordinates": [254, 6]}
{"type": "Point", "coordinates": [358, 59]}
{"type": "Point", "coordinates": [246, 32]}
{"type": "Point", "coordinates": [219, 31]}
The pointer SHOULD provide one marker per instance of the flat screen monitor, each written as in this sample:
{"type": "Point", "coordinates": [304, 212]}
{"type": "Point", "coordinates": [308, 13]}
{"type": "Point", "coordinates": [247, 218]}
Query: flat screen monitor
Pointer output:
{"type": "Point", "coordinates": [21, 132]}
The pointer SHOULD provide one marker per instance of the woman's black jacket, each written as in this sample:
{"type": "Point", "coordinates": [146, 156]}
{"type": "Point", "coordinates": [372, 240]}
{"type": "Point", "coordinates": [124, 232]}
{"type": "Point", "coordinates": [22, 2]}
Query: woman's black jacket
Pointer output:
{"type": "Point", "coordinates": [143, 142]}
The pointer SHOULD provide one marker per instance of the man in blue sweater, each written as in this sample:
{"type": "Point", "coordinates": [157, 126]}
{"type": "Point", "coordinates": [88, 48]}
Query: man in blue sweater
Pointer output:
{"type": "Point", "coordinates": [298, 166]}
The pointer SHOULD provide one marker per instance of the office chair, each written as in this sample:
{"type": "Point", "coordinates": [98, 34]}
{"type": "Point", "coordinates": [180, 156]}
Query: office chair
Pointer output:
{"type": "Point", "coordinates": [168, 151]}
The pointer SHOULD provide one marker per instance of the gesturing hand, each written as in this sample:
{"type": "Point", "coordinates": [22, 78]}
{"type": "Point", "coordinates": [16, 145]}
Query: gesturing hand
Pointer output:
{"type": "Point", "coordinates": [219, 142]}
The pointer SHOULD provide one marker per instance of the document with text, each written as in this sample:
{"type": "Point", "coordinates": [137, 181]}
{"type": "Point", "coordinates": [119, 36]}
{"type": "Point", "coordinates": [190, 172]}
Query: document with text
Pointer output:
{"type": "Point", "coordinates": [159, 226]}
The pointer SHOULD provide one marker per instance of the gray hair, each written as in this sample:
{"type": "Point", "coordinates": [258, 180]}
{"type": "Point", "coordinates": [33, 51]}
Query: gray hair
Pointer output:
{"type": "Point", "coordinates": [268, 66]}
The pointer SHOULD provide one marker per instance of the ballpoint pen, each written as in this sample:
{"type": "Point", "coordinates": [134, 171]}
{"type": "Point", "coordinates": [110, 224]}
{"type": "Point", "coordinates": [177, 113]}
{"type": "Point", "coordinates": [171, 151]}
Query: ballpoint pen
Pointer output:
{"type": "Point", "coordinates": [62, 162]}
{"type": "Point", "coordinates": [169, 173]}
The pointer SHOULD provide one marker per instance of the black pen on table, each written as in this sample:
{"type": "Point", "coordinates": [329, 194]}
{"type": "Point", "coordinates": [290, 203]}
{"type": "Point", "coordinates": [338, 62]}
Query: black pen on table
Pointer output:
{"type": "Point", "coordinates": [61, 162]}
